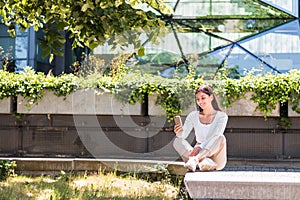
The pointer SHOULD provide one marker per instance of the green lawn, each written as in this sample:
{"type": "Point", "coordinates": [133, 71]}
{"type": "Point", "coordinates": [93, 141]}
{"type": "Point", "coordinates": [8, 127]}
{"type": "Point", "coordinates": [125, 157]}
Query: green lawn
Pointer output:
{"type": "Point", "coordinates": [95, 186]}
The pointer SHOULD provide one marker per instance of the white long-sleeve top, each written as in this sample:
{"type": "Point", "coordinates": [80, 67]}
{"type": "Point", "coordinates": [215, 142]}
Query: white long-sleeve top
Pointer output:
{"type": "Point", "coordinates": [204, 132]}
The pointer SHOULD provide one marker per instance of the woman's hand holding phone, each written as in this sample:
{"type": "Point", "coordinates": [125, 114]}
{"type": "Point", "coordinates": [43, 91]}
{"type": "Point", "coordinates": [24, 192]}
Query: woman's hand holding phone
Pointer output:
{"type": "Point", "coordinates": [178, 125]}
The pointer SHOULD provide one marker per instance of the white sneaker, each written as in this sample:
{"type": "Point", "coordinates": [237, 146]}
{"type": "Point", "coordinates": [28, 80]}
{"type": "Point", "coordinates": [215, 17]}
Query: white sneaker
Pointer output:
{"type": "Point", "coordinates": [207, 164]}
{"type": "Point", "coordinates": [192, 163]}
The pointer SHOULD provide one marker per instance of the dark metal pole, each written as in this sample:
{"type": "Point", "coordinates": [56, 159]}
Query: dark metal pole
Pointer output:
{"type": "Point", "coordinates": [176, 5]}
{"type": "Point", "coordinates": [179, 45]}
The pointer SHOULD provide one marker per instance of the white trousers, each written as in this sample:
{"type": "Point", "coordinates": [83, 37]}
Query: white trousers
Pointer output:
{"type": "Point", "coordinates": [216, 146]}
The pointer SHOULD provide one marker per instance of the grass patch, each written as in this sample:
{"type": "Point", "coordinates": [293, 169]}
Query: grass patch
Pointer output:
{"type": "Point", "coordinates": [94, 186]}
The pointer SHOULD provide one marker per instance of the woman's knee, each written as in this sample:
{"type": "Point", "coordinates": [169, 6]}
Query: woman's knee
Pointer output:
{"type": "Point", "coordinates": [221, 166]}
{"type": "Point", "coordinates": [222, 155]}
{"type": "Point", "coordinates": [223, 140]}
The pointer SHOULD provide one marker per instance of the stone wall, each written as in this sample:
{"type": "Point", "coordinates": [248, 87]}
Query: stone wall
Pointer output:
{"type": "Point", "coordinates": [87, 125]}
{"type": "Point", "coordinates": [55, 135]}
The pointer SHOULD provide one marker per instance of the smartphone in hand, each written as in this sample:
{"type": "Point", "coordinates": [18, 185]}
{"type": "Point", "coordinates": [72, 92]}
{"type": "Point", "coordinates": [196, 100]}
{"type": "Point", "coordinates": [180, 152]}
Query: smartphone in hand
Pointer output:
{"type": "Point", "coordinates": [177, 120]}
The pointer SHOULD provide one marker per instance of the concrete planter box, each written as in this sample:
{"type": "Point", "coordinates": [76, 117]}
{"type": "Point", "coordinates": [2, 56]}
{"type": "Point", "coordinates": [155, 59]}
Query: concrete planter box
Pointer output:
{"type": "Point", "coordinates": [246, 107]}
{"type": "Point", "coordinates": [153, 109]}
{"type": "Point", "coordinates": [80, 102]}
{"type": "Point", "coordinates": [6, 105]}
{"type": "Point", "coordinates": [242, 107]}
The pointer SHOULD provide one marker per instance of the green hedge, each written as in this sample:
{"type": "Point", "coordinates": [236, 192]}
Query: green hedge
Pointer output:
{"type": "Point", "coordinates": [174, 94]}
{"type": "Point", "coordinates": [268, 90]}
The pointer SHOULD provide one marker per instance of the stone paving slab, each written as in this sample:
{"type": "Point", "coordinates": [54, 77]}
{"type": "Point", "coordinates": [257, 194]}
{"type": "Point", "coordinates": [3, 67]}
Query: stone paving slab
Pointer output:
{"type": "Point", "coordinates": [243, 185]}
{"type": "Point", "coordinates": [272, 165]}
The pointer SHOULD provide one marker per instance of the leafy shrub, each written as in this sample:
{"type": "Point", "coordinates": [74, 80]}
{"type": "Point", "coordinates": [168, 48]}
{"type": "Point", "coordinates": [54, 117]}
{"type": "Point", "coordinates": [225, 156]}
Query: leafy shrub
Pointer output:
{"type": "Point", "coordinates": [267, 91]}
{"type": "Point", "coordinates": [32, 85]}
{"type": "Point", "coordinates": [174, 95]}
{"type": "Point", "coordinates": [91, 64]}
{"type": "Point", "coordinates": [7, 169]}
{"type": "Point", "coordinates": [8, 84]}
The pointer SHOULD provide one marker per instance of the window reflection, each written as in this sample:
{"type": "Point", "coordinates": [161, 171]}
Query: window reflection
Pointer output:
{"type": "Point", "coordinates": [288, 6]}
{"type": "Point", "coordinates": [260, 36]}
{"type": "Point", "coordinates": [21, 47]}
{"type": "Point", "coordinates": [21, 33]}
{"type": "Point", "coordinates": [20, 65]}
{"type": "Point", "coordinates": [221, 8]}
{"type": "Point", "coordinates": [279, 47]}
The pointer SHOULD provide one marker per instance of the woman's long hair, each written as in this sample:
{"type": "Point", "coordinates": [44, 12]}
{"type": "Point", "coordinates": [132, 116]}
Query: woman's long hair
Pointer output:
{"type": "Point", "coordinates": [209, 91]}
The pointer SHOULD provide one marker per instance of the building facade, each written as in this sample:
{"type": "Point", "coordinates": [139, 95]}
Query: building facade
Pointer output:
{"type": "Point", "coordinates": [245, 35]}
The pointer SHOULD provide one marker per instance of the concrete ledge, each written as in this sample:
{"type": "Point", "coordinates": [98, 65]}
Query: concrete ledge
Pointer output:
{"type": "Point", "coordinates": [54, 166]}
{"type": "Point", "coordinates": [243, 185]}
{"type": "Point", "coordinates": [44, 165]}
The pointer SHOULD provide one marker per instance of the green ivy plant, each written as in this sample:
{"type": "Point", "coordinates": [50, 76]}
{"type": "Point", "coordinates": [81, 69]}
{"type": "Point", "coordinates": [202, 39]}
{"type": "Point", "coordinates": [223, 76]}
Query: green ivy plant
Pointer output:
{"type": "Point", "coordinates": [8, 84]}
{"type": "Point", "coordinates": [267, 90]}
{"type": "Point", "coordinates": [173, 95]}
{"type": "Point", "coordinates": [32, 85]}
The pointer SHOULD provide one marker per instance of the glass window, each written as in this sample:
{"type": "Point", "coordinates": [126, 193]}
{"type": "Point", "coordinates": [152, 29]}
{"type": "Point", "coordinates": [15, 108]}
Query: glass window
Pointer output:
{"type": "Point", "coordinates": [14, 48]}
{"type": "Point", "coordinates": [226, 9]}
{"type": "Point", "coordinates": [7, 45]}
{"type": "Point", "coordinates": [21, 33]}
{"type": "Point", "coordinates": [290, 6]}
{"type": "Point", "coordinates": [3, 31]}
{"type": "Point", "coordinates": [21, 47]}
{"type": "Point", "coordinates": [206, 65]}
{"type": "Point", "coordinates": [20, 65]}
{"type": "Point", "coordinates": [280, 47]}
{"type": "Point", "coordinates": [244, 62]}
{"type": "Point", "coordinates": [240, 34]}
